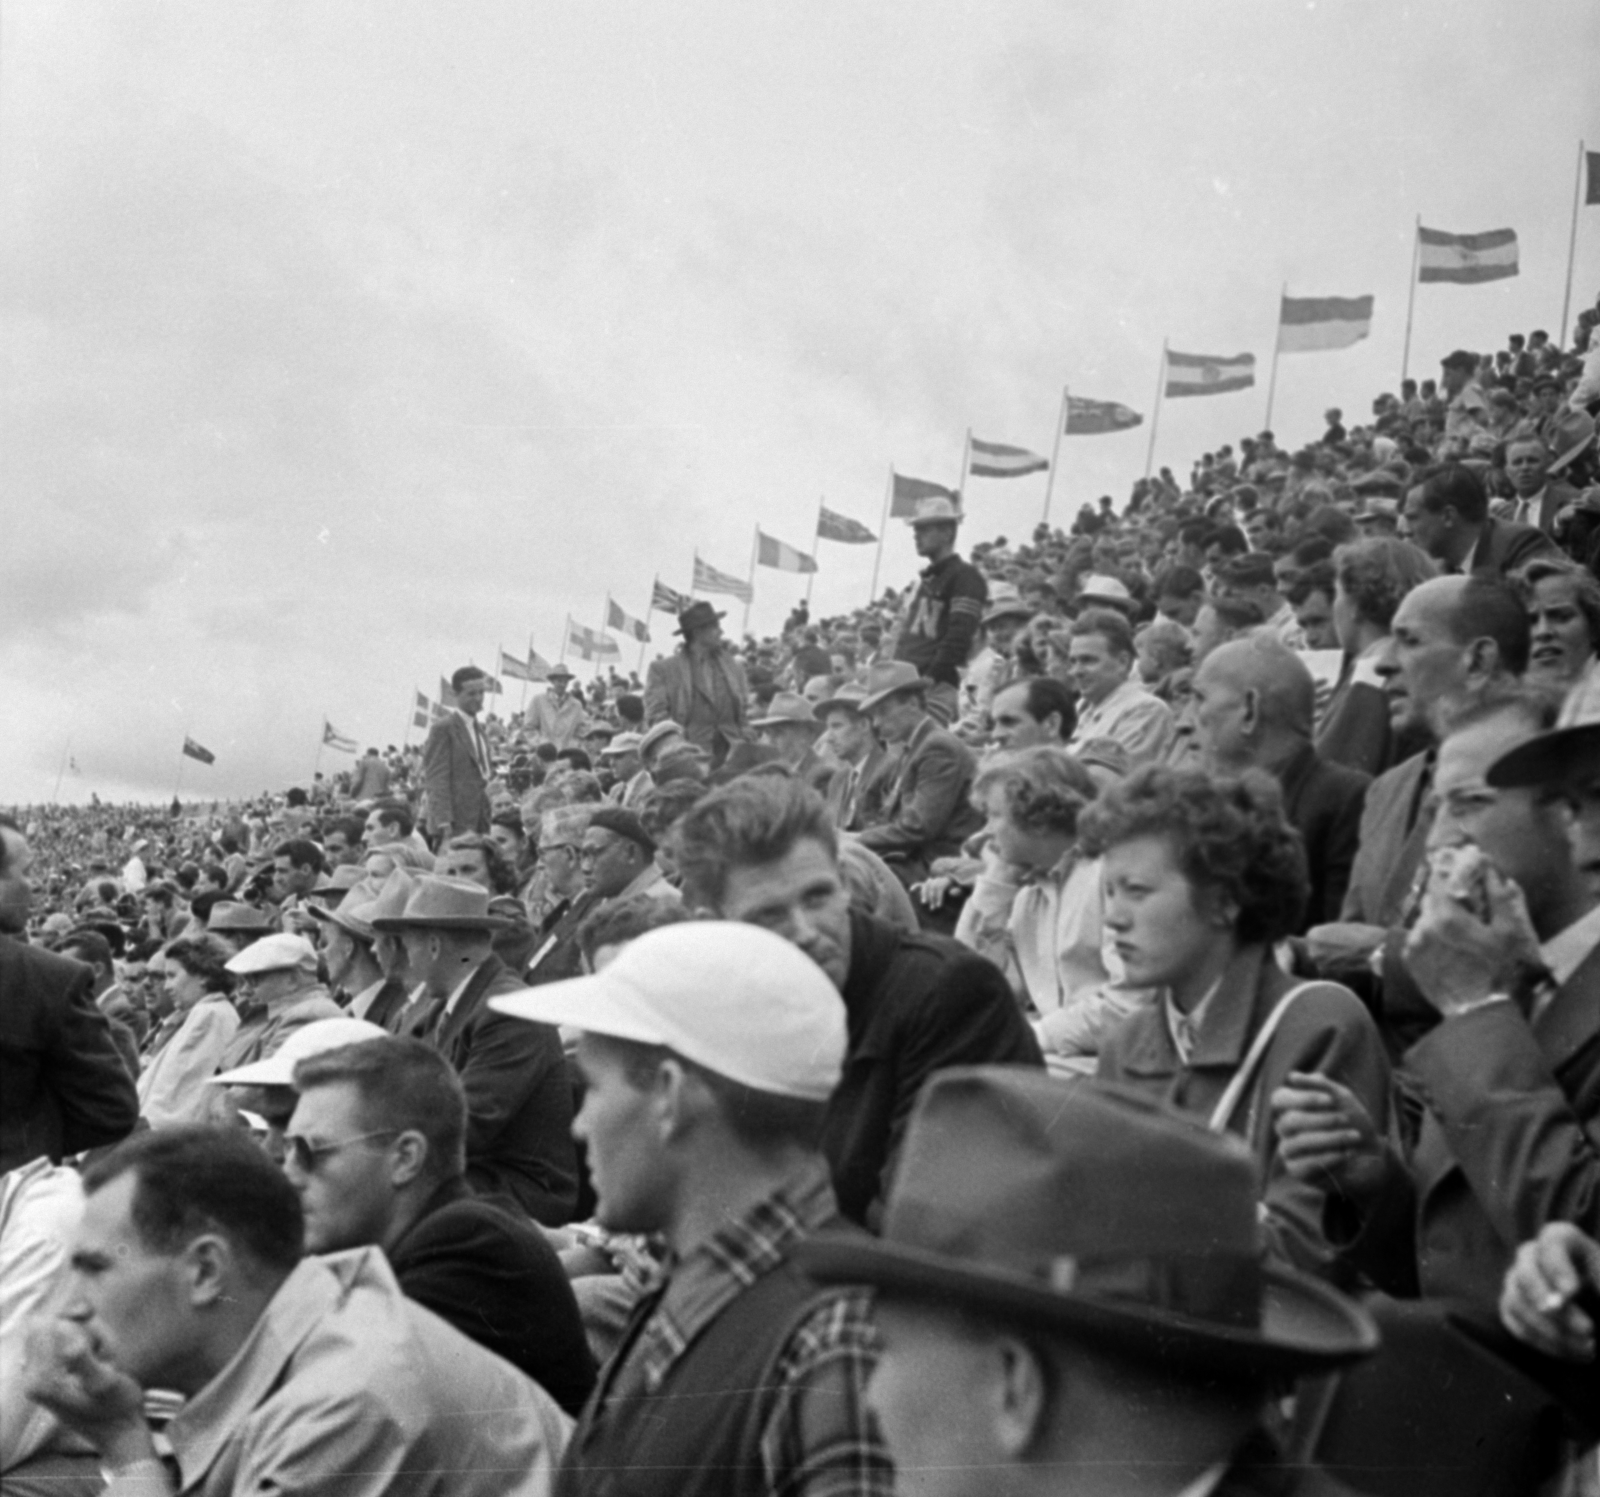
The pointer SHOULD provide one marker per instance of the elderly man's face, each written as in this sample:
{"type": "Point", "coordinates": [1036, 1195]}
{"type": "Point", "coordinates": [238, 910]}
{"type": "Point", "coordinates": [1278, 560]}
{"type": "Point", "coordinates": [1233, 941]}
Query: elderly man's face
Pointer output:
{"type": "Point", "coordinates": [1424, 664]}
{"type": "Point", "coordinates": [1526, 465]}
{"type": "Point", "coordinates": [608, 860]}
{"type": "Point", "coordinates": [846, 734]}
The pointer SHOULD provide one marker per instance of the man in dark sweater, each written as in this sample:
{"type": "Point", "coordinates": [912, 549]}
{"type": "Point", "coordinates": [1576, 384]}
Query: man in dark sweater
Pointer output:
{"type": "Point", "coordinates": [763, 850]}
{"type": "Point", "coordinates": [937, 633]}
{"type": "Point", "coordinates": [376, 1152]}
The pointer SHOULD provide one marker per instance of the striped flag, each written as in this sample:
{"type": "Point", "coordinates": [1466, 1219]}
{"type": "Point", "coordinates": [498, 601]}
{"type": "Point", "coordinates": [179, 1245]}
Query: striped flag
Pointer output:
{"type": "Point", "coordinates": [194, 750]}
{"type": "Point", "coordinates": [996, 460]}
{"type": "Point", "coordinates": [664, 599]}
{"type": "Point", "coordinates": [514, 669]}
{"type": "Point", "coordinates": [1201, 374]}
{"type": "Point", "coordinates": [421, 712]}
{"type": "Point", "coordinates": [1466, 258]}
{"type": "Point", "coordinates": [334, 739]}
{"type": "Point", "coordinates": [625, 623]}
{"type": "Point", "coordinates": [1088, 418]}
{"type": "Point", "coordinates": [775, 553]}
{"type": "Point", "coordinates": [591, 644]}
{"type": "Point", "coordinates": [836, 527]}
{"type": "Point", "coordinates": [1310, 324]}
{"type": "Point", "coordinates": [492, 686]}
{"type": "Point", "coordinates": [909, 492]}
{"type": "Point", "coordinates": [707, 579]}
{"type": "Point", "coordinates": [1592, 162]}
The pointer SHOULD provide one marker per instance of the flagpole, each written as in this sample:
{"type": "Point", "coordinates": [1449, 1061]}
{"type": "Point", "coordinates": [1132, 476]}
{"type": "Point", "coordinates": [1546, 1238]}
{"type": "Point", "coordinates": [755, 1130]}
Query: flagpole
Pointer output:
{"type": "Point", "coordinates": [812, 576]}
{"type": "Point", "coordinates": [177, 783]}
{"type": "Point", "coordinates": [966, 460]}
{"type": "Point", "coordinates": [755, 550]}
{"type": "Point", "coordinates": [883, 530]}
{"type": "Point", "coordinates": [60, 772]}
{"type": "Point", "coordinates": [411, 712]}
{"type": "Point", "coordinates": [523, 709]}
{"type": "Point", "coordinates": [1411, 298]}
{"type": "Point", "coordinates": [1055, 456]}
{"type": "Point", "coordinates": [1155, 416]}
{"type": "Point", "coordinates": [1572, 245]}
{"type": "Point", "coordinates": [1277, 342]}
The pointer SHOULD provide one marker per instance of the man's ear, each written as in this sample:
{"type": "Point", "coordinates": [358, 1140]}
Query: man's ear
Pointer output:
{"type": "Point", "coordinates": [410, 1158]}
{"type": "Point", "coordinates": [207, 1265]}
{"type": "Point", "coordinates": [1020, 1395]}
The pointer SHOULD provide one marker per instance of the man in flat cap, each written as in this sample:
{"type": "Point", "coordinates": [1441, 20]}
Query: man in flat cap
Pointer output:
{"type": "Point", "coordinates": [1049, 1329]}
{"type": "Point", "coordinates": [702, 687]}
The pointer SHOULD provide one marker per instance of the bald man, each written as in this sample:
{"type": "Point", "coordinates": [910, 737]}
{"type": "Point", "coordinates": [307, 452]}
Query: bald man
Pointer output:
{"type": "Point", "coordinates": [1254, 702]}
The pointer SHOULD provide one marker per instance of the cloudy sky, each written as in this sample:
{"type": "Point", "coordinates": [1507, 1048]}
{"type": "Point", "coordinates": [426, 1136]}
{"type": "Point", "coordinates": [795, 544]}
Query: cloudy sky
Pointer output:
{"type": "Point", "coordinates": [344, 342]}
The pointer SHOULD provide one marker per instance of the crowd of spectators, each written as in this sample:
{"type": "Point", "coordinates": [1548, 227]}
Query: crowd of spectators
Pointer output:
{"type": "Point", "coordinates": [1160, 959]}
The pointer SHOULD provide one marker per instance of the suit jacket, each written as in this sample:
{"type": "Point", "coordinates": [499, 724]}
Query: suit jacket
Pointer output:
{"type": "Point", "coordinates": [1395, 822]}
{"type": "Point", "coordinates": [1326, 1031]}
{"type": "Point", "coordinates": [63, 1086]}
{"type": "Point", "coordinates": [1502, 547]}
{"type": "Point", "coordinates": [497, 1280]}
{"type": "Point", "coordinates": [1323, 803]}
{"type": "Point", "coordinates": [1510, 1140]}
{"type": "Point", "coordinates": [369, 780]}
{"type": "Point", "coordinates": [1556, 497]}
{"type": "Point", "coordinates": [670, 692]}
{"type": "Point", "coordinates": [855, 792]}
{"type": "Point", "coordinates": [519, 1097]}
{"type": "Point", "coordinates": [927, 812]}
{"type": "Point", "coordinates": [457, 792]}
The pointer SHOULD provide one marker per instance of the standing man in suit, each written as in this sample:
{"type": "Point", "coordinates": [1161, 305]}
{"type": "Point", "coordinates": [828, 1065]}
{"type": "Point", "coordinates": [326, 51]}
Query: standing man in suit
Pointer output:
{"type": "Point", "coordinates": [702, 687]}
{"type": "Point", "coordinates": [519, 1098]}
{"type": "Point", "coordinates": [1254, 701]}
{"type": "Point", "coordinates": [928, 810]}
{"type": "Point", "coordinates": [456, 767]}
{"type": "Point", "coordinates": [63, 1087]}
{"type": "Point", "coordinates": [1448, 516]}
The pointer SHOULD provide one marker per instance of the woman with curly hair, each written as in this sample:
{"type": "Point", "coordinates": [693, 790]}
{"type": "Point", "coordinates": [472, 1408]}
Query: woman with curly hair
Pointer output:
{"type": "Point", "coordinates": [1202, 878]}
{"type": "Point", "coordinates": [1036, 908]}
{"type": "Point", "coordinates": [172, 1086]}
{"type": "Point", "coordinates": [1563, 603]}
{"type": "Point", "coordinates": [478, 858]}
{"type": "Point", "coordinates": [1370, 578]}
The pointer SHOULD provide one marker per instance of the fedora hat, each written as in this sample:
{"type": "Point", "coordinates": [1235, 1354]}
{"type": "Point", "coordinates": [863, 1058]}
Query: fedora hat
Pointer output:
{"type": "Point", "coordinates": [1567, 436]}
{"type": "Point", "coordinates": [558, 669]}
{"type": "Point", "coordinates": [848, 698]}
{"type": "Point", "coordinates": [1005, 602]}
{"type": "Point", "coordinates": [697, 616]}
{"type": "Point", "coordinates": [1569, 754]}
{"type": "Point", "coordinates": [889, 676]}
{"type": "Point", "coordinates": [235, 915]}
{"type": "Point", "coordinates": [1099, 588]}
{"type": "Point", "coordinates": [664, 729]}
{"type": "Point", "coordinates": [940, 509]}
{"type": "Point", "coordinates": [341, 881]}
{"type": "Point", "coordinates": [1095, 1213]}
{"type": "Point", "coordinates": [355, 911]}
{"type": "Point", "coordinates": [440, 903]}
{"type": "Point", "coordinates": [785, 708]}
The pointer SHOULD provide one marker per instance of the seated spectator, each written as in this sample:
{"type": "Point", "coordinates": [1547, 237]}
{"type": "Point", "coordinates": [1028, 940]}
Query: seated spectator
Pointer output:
{"type": "Point", "coordinates": [403, 1188]}
{"type": "Point", "coordinates": [367, 984]}
{"type": "Point", "coordinates": [1222, 619]}
{"type": "Point", "coordinates": [1537, 499]}
{"type": "Point", "coordinates": [1551, 1302]}
{"type": "Point", "coordinates": [1148, 1361]}
{"type": "Point", "coordinates": [763, 850]}
{"type": "Point", "coordinates": [1311, 596]}
{"type": "Point", "coordinates": [1253, 703]}
{"type": "Point", "coordinates": [1201, 879]}
{"type": "Point", "coordinates": [118, 1003]}
{"type": "Point", "coordinates": [1251, 579]}
{"type": "Point", "coordinates": [277, 991]}
{"type": "Point", "coordinates": [856, 789]}
{"type": "Point", "coordinates": [172, 1084]}
{"type": "Point", "coordinates": [299, 1374]}
{"type": "Point", "coordinates": [1036, 909]}
{"type": "Point", "coordinates": [619, 858]}
{"type": "Point", "coordinates": [1100, 661]}
{"type": "Point", "coordinates": [478, 858]}
{"type": "Point", "coordinates": [1563, 603]}
{"type": "Point", "coordinates": [1447, 515]}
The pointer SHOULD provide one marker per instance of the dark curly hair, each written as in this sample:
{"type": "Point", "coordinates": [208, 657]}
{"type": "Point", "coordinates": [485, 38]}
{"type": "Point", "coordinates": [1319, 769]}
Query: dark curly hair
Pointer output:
{"type": "Point", "coordinates": [1044, 788]}
{"type": "Point", "coordinates": [204, 957]}
{"type": "Point", "coordinates": [1230, 837]}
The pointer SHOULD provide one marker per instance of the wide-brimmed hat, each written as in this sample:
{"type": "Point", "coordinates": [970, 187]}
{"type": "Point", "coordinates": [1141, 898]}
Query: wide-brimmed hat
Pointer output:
{"type": "Point", "coordinates": [1567, 435]}
{"type": "Point", "coordinates": [441, 903]}
{"type": "Point", "coordinates": [939, 509]}
{"type": "Point", "coordinates": [848, 697]}
{"type": "Point", "coordinates": [558, 669]}
{"type": "Point", "coordinates": [1091, 1212]}
{"type": "Point", "coordinates": [236, 915]}
{"type": "Point", "coordinates": [663, 729]}
{"type": "Point", "coordinates": [1005, 602]}
{"type": "Point", "coordinates": [355, 911]}
{"type": "Point", "coordinates": [620, 744]}
{"type": "Point", "coordinates": [697, 616]}
{"type": "Point", "coordinates": [788, 707]}
{"type": "Point", "coordinates": [1099, 588]}
{"type": "Point", "coordinates": [311, 1039]}
{"type": "Point", "coordinates": [1567, 754]}
{"type": "Point", "coordinates": [889, 676]}
{"type": "Point", "coordinates": [341, 880]}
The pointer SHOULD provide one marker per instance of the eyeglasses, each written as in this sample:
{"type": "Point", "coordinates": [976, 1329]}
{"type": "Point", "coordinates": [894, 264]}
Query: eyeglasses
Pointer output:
{"type": "Point", "coordinates": [307, 1155]}
{"type": "Point", "coordinates": [544, 852]}
{"type": "Point", "coordinates": [590, 854]}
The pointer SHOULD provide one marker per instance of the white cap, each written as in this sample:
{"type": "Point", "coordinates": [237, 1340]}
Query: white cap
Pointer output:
{"type": "Point", "coordinates": [733, 998]}
{"type": "Point", "coordinates": [311, 1039]}
{"type": "Point", "coordinates": [272, 954]}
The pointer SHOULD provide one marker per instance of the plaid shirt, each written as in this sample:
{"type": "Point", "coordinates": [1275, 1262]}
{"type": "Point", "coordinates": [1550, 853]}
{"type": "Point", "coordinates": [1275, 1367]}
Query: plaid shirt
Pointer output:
{"type": "Point", "coordinates": [819, 1439]}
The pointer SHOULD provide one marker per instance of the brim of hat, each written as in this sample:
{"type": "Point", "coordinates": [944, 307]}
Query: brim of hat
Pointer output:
{"type": "Point", "coordinates": [936, 520]}
{"type": "Point", "coordinates": [443, 922]}
{"type": "Point", "coordinates": [334, 917]}
{"type": "Point", "coordinates": [1304, 1325]}
{"type": "Point", "coordinates": [922, 683]}
{"type": "Point", "coordinates": [585, 1003]}
{"type": "Point", "coordinates": [848, 704]}
{"type": "Point", "coordinates": [268, 1072]}
{"type": "Point", "coordinates": [1571, 455]}
{"type": "Point", "coordinates": [1110, 599]}
{"type": "Point", "coordinates": [1549, 759]}
{"type": "Point", "coordinates": [789, 722]}
{"type": "Point", "coordinates": [1007, 612]}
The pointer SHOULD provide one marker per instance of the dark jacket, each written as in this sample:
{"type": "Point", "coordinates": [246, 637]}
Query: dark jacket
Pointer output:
{"type": "Point", "coordinates": [672, 692]}
{"type": "Point", "coordinates": [927, 811]}
{"type": "Point", "coordinates": [1395, 821]}
{"type": "Point", "coordinates": [496, 1279]}
{"type": "Point", "coordinates": [519, 1098]}
{"type": "Point", "coordinates": [855, 792]}
{"type": "Point", "coordinates": [457, 792]}
{"type": "Point", "coordinates": [63, 1087]}
{"type": "Point", "coordinates": [1502, 547]}
{"type": "Point", "coordinates": [938, 632]}
{"type": "Point", "coordinates": [1323, 801]}
{"type": "Point", "coordinates": [914, 1004]}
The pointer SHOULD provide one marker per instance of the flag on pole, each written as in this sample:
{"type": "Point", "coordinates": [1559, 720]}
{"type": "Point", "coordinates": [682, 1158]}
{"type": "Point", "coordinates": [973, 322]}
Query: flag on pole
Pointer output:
{"type": "Point", "coordinates": [422, 712]}
{"type": "Point", "coordinates": [492, 686]}
{"type": "Point", "coordinates": [539, 668]}
{"type": "Point", "coordinates": [1311, 324]}
{"type": "Point", "coordinates": [707, 579]}
{"type": "Point", "coordinates": [591, 644]}
{"type": "Point", "coordinates": [334, 739]}
{"type": "Point", "coordinates": [664, 599]}
{"type": "Point", "coordinates": [837, 527]}
{"type": "Point", "coordinates": [447, 694]}
{"type": "Point", "coordinates": [1466, 258]}
{"type": "Point", "coordinates": [1591, 160]}
{"type": "Point", "coordinates": [996, 460]}
{"type": "Point", "coordinates": [1202, 374]}
{"type": "Point", "coordinates": [194, 750]}
{"type": "Point", "coordinates": [514, 669]}
{"type": "Point", "coordinates": [1089, 418]}
{"type": "Point", "coordinates": [625, 623]}
{"type": "Point", "coordinates": [774, 553]}
{"type": "Point", "coordinates": [908, 493]}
